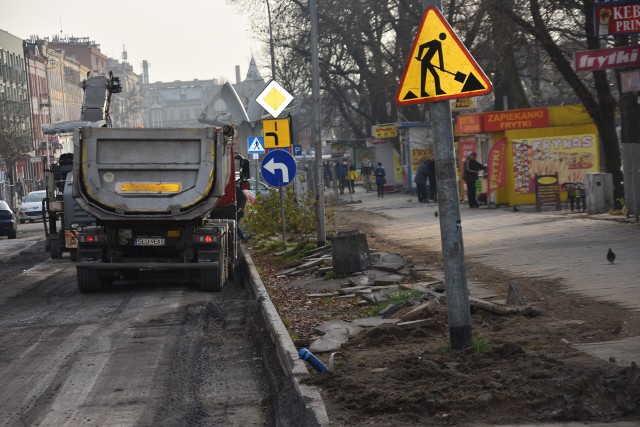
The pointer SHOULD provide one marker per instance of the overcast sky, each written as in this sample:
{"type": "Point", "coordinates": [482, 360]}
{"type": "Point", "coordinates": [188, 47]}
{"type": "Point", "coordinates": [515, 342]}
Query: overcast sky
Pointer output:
{"type": "Point", "coordinates": [181, 39]}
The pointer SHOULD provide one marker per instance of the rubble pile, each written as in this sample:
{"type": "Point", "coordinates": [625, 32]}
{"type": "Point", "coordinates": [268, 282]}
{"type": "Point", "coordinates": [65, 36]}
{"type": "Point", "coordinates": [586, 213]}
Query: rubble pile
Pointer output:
{"type": "Point", "coordinates": [380, 277]}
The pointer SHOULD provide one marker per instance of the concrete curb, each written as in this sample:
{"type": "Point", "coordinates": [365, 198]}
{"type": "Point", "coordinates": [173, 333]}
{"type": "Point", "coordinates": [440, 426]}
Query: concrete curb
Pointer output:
{"type": "Point", "coordinates": [293, 367]}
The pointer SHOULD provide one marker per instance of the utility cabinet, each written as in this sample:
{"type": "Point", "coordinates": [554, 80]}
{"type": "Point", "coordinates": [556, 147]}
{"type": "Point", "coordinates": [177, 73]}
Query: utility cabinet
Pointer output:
{"type": "Point", "coordinates": [599, 188]}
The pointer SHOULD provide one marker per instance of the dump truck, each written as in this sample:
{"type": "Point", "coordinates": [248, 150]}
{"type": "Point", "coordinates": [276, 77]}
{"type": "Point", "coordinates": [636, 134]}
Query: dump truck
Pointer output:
{"type": "Point", "coordinates": [163, 200]}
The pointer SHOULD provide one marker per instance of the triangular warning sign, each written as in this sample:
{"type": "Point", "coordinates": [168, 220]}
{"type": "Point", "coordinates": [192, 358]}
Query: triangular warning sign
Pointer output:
{"type": "Point", "coordinates": [439, 67]}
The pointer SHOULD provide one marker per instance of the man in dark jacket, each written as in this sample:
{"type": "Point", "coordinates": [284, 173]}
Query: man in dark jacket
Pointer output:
{"type": "Point", "coordinates": [470, 175]}
{"type": "Point", "coordinates": [241, 202]}
{"type": "Point", "coordinates": [421, 182]}
{"type": "Point", "coordinates": [431, 174]}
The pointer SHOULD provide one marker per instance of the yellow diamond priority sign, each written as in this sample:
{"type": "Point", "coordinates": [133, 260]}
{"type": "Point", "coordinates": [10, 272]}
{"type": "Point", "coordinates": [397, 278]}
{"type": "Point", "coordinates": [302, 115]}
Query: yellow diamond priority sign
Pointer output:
{"type": "Point", "coordinates": [439, 67]}
{"type": "Point", "coordinates": [274, 98]}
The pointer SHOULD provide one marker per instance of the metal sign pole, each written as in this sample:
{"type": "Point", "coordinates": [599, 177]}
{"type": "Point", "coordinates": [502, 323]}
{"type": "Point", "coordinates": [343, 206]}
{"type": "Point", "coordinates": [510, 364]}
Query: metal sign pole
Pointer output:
{"type": "Point", "coordinates": [284, 229]}
{"type": "Point", "coordinates": [455, 273]}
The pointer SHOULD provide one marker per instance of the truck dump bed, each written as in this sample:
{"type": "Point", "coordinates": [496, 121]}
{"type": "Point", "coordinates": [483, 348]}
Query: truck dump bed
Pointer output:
{"type": "Point", "coordinates": [142, 174]}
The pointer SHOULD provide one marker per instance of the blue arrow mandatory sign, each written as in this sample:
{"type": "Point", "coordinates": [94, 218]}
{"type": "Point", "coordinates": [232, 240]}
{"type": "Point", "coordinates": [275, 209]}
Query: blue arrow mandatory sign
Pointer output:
{"type": "Point", "coordinates": [255, 144]}
{"type": "Point", "coordinates": [278, 168]}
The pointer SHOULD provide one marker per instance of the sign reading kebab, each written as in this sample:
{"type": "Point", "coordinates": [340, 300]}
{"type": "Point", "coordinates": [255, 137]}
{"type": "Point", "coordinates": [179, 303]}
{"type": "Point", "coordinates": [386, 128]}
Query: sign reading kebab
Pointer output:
{"type": "Point", "coordinates": [617, 17]}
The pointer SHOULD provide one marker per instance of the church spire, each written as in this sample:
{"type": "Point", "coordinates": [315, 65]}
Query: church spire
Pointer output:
{"type": "Point", "coordinates": [253, 73]}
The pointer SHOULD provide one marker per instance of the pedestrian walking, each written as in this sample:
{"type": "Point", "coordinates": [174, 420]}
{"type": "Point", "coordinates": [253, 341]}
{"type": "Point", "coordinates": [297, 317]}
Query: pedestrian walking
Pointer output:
{"type": "Point", "coordinates": [381, 179]}
{"type": "Point", "coordinates": [353, 175]}
{"type": "Point", "coordinates": [241, 202]}
{"type": "Point", "coordinates": [19, 190]}
{"type": "Point", "coordinates": [421, 182]}
{"type": "Point", "coordinates": [431, 175]}
{"type": "Point", "coordinates": [326, 174]}
{"type": "Point", "coordinates": [341, 174]}
{"type": "Point", "coordinates": [470, 175]}
{"type": "Point", "coordinates": [366, 168]}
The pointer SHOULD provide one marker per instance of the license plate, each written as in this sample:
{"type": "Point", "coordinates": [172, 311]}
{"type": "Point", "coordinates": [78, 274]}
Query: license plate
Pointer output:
{"type": "Point", "coordinates": [149, 241]}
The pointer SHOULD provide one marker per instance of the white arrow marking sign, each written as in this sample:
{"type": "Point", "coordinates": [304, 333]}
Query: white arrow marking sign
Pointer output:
{"type": "Point", "coordinates": [272, 166]}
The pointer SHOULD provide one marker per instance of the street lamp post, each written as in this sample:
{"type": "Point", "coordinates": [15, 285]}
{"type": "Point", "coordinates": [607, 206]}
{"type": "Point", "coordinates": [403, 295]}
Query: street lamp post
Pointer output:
{"type": "Point", "coordinates": [273, 56]}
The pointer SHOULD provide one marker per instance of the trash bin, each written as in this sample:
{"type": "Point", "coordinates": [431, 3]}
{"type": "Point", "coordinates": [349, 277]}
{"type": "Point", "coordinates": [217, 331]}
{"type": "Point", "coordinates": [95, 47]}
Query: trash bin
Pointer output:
{"type": "Point", "coordinates": [350, 252]}
{"type": "Point", "coordinates": [599, 189]}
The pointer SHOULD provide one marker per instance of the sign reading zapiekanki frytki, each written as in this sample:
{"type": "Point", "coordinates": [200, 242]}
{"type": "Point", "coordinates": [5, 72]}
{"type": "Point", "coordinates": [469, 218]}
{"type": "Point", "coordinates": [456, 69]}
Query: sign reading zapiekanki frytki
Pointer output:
{"type": "Point", "coordinates": [616, 17]}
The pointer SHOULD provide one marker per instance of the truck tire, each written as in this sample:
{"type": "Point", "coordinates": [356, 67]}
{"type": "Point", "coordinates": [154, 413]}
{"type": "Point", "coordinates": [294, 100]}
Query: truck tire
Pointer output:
{"type": "Point", "coordinates": [89, 281]}
{"type": "Point", "coordinates": [211, 280]}
{"type": "Point", "coordinates": [12, 234]}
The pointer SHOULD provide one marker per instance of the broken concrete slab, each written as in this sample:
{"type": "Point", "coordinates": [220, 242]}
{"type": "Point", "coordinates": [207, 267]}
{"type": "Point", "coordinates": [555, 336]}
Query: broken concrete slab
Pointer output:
{"type": "Point", "coordinates": [323, 345]}
{"type": "Point", "coordinates": [353, 290]}
{"type": "Point", "coordinates": [416, 324]}
{"type": "Point", "coordinates": [323, 295]}
{"type": "Point", "coordinates": [303, 272]}
{"type": "Point", "coordinates": [421, 311]}
{"type": "Point", "coordinates": [391, 309]}
{"type": "Point", "coordinates": [387, 279]}
{"type": "Point", "coordinates": [339, 324]}
{"type": "Point", "coordinates": [378, 258]}
{"type": "Point", "coordinates": [390, 267]}
{"type": "Point", "coordinates": [311, 263]}
{"type": "Point", "coordinates": [371, 297]}
{"type": "Point", "coordinates": [372, 322]}
{"type": "Point", "coordinates": [318, 251]}
{"type": "Point", "coordinates": [361, 280]}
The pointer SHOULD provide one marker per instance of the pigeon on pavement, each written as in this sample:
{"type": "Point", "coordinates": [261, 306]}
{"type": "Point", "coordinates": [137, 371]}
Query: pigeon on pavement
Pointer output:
{"type": "Point", "coordinates": [611, 257]}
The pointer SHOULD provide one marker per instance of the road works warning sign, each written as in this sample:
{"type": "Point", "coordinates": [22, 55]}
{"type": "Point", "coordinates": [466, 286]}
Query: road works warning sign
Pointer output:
{"type": "Point", "coordinates": [440, 67]}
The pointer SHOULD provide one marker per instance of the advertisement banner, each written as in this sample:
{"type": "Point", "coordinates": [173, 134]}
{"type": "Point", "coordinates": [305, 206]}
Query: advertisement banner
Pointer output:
{"type": "Point", "coordinates": [602, 59]}
{"type": "Point", "coordinates": [515, 119]}
{"type": "Point", "coordinates": [385, 131]}
{"type": "Point", "coordinates": [469, 123]}
{"type": "Point", "coordinates": [570, 156]}
{"type": "Point", "coordinates": [495, 165]}
{"type": "Point", "coordinates": [616, 18]}
{"type": "Point", "coordinates": [467, 146]}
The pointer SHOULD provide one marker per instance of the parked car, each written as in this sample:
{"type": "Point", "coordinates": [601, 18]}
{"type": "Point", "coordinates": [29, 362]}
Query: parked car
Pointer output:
{"type": "Point", "coordinates": [31, 207]}
{"type": "Point", "coordinates": [8, 222]}
{"type": "Point", "coordinates": [255, 187]}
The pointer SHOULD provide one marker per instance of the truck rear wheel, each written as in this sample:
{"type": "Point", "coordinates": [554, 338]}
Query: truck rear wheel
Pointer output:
{"type": "Point", "coordinates": [211, 280]}
{"type": "Point", "coordinates": [89, 281]}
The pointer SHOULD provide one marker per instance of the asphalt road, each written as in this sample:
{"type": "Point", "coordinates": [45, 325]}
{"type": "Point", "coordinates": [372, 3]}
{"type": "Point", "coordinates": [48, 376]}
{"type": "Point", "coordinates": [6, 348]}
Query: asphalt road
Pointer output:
{"type": "Point", "coordinates": [156, 352]}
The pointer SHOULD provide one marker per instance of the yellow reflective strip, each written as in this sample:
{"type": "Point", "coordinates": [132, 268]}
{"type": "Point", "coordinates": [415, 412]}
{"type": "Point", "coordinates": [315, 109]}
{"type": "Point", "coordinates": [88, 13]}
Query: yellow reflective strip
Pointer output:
{"type": "Point", "coordinates": [155, 187]}
{"type": "Point", "coordinates": [173, 233]}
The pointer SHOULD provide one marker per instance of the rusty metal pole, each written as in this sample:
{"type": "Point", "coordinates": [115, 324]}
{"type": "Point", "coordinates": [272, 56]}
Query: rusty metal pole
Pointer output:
{"type": "Point", "coordinates": [455, 272]}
